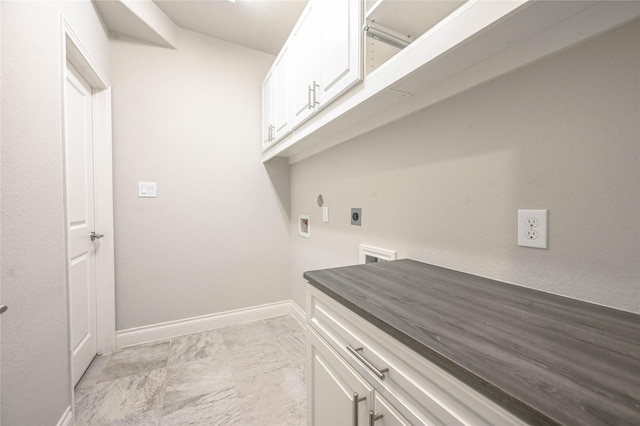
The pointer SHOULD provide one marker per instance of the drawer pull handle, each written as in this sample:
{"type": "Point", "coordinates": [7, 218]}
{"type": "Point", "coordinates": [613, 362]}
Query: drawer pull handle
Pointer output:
{"type": "Point", "coordinates": [377, 371]}
{"type": "Point", "coordinates": [356, 400]}
{"type": "Point", "coordinates": [373, 417]}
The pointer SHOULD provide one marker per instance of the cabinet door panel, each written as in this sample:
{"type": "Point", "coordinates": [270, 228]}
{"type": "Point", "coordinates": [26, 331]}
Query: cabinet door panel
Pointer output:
{"type": "Point", "coordinates": [341, 47]}
{"type": "Point", "coordinates": [267, 110]}
{"type": "Point", "coordinates": [305, 63]}
{"type": "Point", "coordinates": [282, 75]}
{"type": "Point", "coordinates": [332, 387]}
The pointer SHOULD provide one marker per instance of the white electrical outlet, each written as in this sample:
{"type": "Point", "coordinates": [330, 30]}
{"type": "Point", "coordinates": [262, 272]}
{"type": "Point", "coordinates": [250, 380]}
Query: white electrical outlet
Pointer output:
{"type": "Point", "coordinates": [533, 228]}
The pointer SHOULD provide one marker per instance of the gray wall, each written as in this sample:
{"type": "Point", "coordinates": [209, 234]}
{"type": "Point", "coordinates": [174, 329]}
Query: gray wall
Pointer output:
{"type": "Point", "coordinates": [35, 352]}
{"type": "Point", "coordinates": [444, 185]}
{"type": "Point", "coordinates": [217, 236]}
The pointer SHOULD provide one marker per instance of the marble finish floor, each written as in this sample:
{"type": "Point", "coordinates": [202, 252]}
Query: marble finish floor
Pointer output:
{"type": "Point", "coordinates": [247, 374]}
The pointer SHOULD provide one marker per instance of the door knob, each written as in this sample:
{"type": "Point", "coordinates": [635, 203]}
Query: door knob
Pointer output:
{"type": "Point", "coordinates": [95, 236]}
{"type": "Point", "coordinates": [3, 309]}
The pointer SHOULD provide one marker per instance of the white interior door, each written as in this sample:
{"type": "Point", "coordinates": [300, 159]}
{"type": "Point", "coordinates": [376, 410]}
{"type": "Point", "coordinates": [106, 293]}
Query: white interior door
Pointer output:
{"type": "Point", "coordinates": [80, 222]}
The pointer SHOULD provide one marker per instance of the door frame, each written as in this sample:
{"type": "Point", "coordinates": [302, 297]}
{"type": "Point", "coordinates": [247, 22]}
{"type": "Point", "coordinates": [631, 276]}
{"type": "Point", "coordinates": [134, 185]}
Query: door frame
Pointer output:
{"type": "Point", "coordinates": [75, 52]}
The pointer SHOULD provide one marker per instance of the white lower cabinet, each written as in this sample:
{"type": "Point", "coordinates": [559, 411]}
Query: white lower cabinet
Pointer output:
{"type": "Point", "coordinates": [360, 375]}
{"type": "Point", "coordinates": [338, 394]}
{"type": "Point", "coordinates": [341, 396]}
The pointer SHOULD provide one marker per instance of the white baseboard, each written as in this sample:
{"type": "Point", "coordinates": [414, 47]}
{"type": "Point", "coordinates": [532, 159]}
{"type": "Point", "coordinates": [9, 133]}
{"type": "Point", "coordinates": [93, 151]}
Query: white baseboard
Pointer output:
{"type": "Point", "coordinates": [298, 313]}
{"type": "Point", "coordinates": [167, 330]}
{"type": "Point", "coordinates": [67, 418]}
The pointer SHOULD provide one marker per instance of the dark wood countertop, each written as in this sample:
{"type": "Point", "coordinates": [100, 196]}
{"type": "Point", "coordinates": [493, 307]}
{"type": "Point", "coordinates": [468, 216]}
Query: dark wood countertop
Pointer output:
{"type": "Point", "coordinates": [546, 358]}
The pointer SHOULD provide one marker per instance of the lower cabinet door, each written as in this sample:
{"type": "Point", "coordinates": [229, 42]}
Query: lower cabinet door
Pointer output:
{"type": "Point", "coordinates": [337, 394]}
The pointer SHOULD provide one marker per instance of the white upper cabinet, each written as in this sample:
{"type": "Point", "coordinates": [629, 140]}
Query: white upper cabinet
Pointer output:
{"type": "Point", "coordinates": [276, 106]}
{"type": "Point", "coordinates": [305, 39]}
{"type": "Point", "coordinates": [464, 43]}
{"type": "Point", "coordinates": [327, 54]}
{"type": "Point", "coordinates": [319, 62]}
{"type": "Point", "coordinates": [341, 47]}
{"type": "Point", "coordinates": [268, 132]}
{"type": "Point", "coordinates": [281, 92]}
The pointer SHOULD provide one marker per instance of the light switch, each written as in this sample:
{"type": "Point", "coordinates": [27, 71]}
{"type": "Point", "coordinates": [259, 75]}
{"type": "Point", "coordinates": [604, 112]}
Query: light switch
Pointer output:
{"type": "Point", "coordinates": [146, 190]}
{"type": "Point", "coordinates": [325, 214]}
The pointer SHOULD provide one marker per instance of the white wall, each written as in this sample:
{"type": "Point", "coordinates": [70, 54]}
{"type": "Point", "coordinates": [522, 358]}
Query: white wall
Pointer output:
{"type": "Point", "coordinates": [217, 236]}
{"type": "Point", "coordinates": [444, 185]}
{"type": "Point", "coordinates": [35, 353]}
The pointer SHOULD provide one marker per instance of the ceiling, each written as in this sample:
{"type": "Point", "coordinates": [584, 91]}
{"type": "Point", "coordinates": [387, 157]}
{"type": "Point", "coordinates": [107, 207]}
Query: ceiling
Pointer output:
{"type": "Point", "coordinates": [258, 24]}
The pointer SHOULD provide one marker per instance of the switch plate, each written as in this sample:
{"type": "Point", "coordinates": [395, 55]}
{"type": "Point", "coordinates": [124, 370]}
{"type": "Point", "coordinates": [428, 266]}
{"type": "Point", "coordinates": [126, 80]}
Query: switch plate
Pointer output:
{"type": "Point", "coordinates": [356, 216]}
{"type": "Point", "coordinates": [533, 229]}
{"type": "Point", "coordinates": [146, 190]}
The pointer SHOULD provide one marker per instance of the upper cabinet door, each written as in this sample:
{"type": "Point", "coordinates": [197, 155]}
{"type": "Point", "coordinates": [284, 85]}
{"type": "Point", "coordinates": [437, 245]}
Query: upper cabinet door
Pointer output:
{"type": "Point", "coordinates": [268, 135]}
{"type": "Point", "coordinates": [282, 75]}
{"type": "Point", "coordinates": [305, 64]}
{"type": "Point", "coordinates": [341, 47]}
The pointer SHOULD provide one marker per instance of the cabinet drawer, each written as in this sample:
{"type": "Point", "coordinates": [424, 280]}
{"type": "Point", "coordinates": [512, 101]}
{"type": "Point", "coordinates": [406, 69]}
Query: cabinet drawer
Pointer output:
{"type": "Point", "coordinates": [427, 393]}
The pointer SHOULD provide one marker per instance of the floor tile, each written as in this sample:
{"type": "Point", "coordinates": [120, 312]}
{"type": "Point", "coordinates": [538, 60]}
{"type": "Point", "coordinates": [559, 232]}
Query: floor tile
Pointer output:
{"type": "Point", "coordinates": [119, 399]}
{"type": "Point", "coordinates": [295, 349]}
{"type": "Point", "coordinates": [195, 346]}
{"type": "Point", "coordinates": [196, 378]}
{"type": "Point", "coordinates": [275, 398]}
{"type": "Point", "coordinates": [248, 374]}
{"type": "Point", "coordinates": [135, 360]}
{"type": "Point", "coordinates": [217, 408]}
{"type": "Point", "coordinates": [256, 360]}
{"type": "Point", "coordinates": [283, 325]}
{"type": "Point", "coordinates": [245, 335]}
{"type": "Point", "coordinates": [147, 418]}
